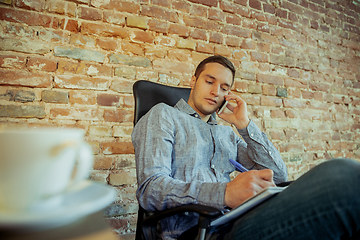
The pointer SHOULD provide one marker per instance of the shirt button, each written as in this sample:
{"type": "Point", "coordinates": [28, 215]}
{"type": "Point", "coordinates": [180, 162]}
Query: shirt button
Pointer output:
{"type": "Point", "coordinates": [251, 135]}
{"type": "Point", "coordinates": [213, 166]}
{"type": "Point", "coordinates": [270, 152]}
{"type": "Point", "coordinates": [196, 115]}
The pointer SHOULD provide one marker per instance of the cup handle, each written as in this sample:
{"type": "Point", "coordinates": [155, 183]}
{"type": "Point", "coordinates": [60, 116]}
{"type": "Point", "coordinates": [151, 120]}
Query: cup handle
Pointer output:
{"type": "Point", "coordinates": [84, 164]}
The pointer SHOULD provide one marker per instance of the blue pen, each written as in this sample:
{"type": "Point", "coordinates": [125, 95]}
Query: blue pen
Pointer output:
{"type": "Point", "coordinates": [238, 166]}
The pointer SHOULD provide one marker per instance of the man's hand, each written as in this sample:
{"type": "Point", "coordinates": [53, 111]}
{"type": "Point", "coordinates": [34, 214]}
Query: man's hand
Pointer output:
{"type": "Point", "coordinates": [246, 185]}
{"type": "Point", "coordinates": [239, 116]}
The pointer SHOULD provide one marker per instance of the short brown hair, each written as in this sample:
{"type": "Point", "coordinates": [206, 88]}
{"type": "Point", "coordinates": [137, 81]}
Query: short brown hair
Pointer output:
{"type": "Point", "coordinates": [215, 59]}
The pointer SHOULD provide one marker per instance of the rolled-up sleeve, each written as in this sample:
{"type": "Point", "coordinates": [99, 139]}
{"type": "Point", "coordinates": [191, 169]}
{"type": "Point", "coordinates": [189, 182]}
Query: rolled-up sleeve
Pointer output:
{"type": "Point", "coordinates": [260, 153]}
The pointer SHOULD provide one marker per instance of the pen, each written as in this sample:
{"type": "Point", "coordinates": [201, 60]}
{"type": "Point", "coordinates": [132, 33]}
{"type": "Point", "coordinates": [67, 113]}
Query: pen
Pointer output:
{"type": "Point", "coordinates": [238, 166]}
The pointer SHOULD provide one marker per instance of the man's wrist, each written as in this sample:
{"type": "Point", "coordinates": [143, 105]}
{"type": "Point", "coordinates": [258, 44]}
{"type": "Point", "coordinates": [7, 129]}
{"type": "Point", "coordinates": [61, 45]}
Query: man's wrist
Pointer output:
{"type": "Point", "coordinates": [242, 124]}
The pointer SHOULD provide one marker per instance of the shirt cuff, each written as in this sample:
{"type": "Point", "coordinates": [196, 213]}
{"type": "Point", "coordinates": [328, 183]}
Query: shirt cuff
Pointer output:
{"type": "Point", "coordinates": [213, 194]}
{"type": "Point", "coordinates": [251, 133]}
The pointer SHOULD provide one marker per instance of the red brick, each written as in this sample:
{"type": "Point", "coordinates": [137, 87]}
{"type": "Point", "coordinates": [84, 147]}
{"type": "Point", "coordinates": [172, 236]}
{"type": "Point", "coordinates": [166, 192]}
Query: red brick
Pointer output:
{"type": "Point", "coordinates": [12, 61]}
{"type": "Point", "coordinates": [108, 100]}
{"type": "Point", "coordinates": [249, 24]}
{"type": "Point", "coordinates": [120, 6]}
{"type": "Point", "coordinates": [77, 82]}
{"type": "Point", "coordinates": [36, 5]}
{"type": "Point", "coordinates": [76, 113]}
{"type": "Point", "coordinates": [241, 86]}
{"type": "Point", "coordinates": [61, 7]}
{"type": "Point", "coordinates": [107, 44]}
{"type": "Point", "coordinates": [260, 57]}
{"type": "Point", "coordinates": [270, 101]}
{"type": "Point", "coordinates": [251, 99]}
{"type": "Point", "coordinates": [163, 3]}
{"type": "Point", "coordinates": [255, 4]}
{"type": "Point", "coordinates": [199, 34]}
{"type": "Point", "coordinates": [286, 24]}
{"type": "Point", "coordinates": [83, 98]}
{"type": "Point", "coordinates": [233, 19]}
{"type": "Point", "coordinates": [104, 30]}
{"type": "Point", "coordinates": [69, 24]}
{"type": "Point", "coordinates": [82, 68]}
{"type": "Point", "coordinates": [114, 17]}
{"type": "Point", "coordinates": [263, 47]}
{"type": "Point", "coordinates": [269, 8]}
{"type": "Point", "coordinates": [29, 18]}
{"type": "Point", "coordinates": [271, 79]}
{"type": "Point", "coordinates": [236, 31]}
{"type": "Point", "coordinates": [291, 147]}
{"type": "Point", "coordinates": [216, 37]}
{"type": "Point", "coordinates": [293, 73]}
{"type": "Point", "coordinates": [103, 162]}
{"type": "Point", "coordinates": [277, 135]}
{"type": "Point", "coordinates": [263, 27]}
{"type": "Point", "coordinates": [319, 86]}
{"type": "Point", "coordinates": [290, 113]}
{"type": "Point", "coordinates": [215, 14]}
{"type": "Point", "coordinates": [210, 3]}
{"type": "Point", "coordinates": [299, 83]}
{"type": "Point", "coordinates": [178, 29]}
{"type": "Point", "coordinates": [205, 48]}
{"type": "Point", "coordinates": [248, 44]}
{"type": "Point", "coordinates": [118, 115]}
{"type": "Point", "coordinates": [133, 48]}
{"type": "Point", "coordinates": [277, 113]}
{"type": "Point", "coordinates": [158, 26]}
{"type": "Point", "coordinates": [271, 19]}
{"type": "Point", "coordinates": [198, 10]}
{"type": "Point", "coordinates": [307, 94]}
{"type": "Point", "coordinates": [21, 78]}
{"type": "Point", "coordinates": [159, 12]}
{"type": "Point", "coordinates": [89, 13]}
{"type": "Point", "coordinates": [143, 36]}
{"type": "Point", "coordinates": [222, 50]}
{"type": "Point", "coordinates": [293, 103]}
{"type": "Point", "coordinates": [42, 64]}
{"type": "Point", "coordinates": [281, 13]}
{"type": "Point", "coordinates": [128, 101]}
{"type": "Point", "coordinates": [198, 22]}
{"type": "Point", "coordinates": [181, 6]}
{"type": "Point", "coordinates": [232, 41]}
{"type": "Point", "coordinates": [269, 90]}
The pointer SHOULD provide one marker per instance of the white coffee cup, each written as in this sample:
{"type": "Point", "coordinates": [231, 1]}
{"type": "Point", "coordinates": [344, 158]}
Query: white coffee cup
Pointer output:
{"type": "Point", "coordinates": [38, 166]}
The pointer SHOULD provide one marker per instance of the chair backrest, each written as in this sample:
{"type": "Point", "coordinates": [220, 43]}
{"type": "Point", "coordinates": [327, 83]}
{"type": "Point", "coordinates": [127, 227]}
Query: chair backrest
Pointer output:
{"type": "Point", "coordinates": [147, 94]}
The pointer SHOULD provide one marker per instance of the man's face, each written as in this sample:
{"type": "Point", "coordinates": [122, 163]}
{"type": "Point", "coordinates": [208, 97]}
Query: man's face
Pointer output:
{"type": "Point", "coordinates": [209, 90]}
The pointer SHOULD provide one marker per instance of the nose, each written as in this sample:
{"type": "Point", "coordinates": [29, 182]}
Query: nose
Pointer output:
{"type": "Point", "coordinates": [215, 90]}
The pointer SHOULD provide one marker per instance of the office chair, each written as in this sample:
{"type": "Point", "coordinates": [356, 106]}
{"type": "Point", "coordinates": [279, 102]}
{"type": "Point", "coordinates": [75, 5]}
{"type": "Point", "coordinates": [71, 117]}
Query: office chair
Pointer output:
{"type": "Point", "coordinates": [146, 95]}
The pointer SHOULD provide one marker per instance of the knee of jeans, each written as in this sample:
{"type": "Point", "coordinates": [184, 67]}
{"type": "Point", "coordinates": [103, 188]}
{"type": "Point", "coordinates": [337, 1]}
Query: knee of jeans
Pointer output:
{"type": "Point", "coordinates": [341, 171]}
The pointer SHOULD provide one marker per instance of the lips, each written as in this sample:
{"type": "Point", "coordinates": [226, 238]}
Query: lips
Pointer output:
{"type": "Point", "coordinates": [211, 101]}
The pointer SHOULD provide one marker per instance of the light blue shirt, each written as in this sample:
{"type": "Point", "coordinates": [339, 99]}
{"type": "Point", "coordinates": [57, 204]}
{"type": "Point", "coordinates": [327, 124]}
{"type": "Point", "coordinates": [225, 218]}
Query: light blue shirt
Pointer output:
{"type": "Point", "coordinates": [181, 159]}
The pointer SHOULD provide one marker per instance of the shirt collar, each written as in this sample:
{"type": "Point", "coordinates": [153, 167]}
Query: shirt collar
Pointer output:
{"type": "Point", "coordinates": [183, 106]}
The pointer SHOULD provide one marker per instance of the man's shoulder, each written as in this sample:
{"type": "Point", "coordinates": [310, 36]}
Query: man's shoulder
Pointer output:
{"type": "Point", "coordinates": [158, 112]}
{"type": "Point", "coordinates": [161, 108]}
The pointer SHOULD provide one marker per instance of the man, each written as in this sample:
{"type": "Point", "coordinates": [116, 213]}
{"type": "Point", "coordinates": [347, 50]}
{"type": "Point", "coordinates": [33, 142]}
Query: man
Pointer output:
{"type": "Point", "coordinates": [182, 157]}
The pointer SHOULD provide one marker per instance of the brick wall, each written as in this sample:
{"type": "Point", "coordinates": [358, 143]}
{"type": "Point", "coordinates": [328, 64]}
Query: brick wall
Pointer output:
{"type": "Point", "coordinates": [73, 63]}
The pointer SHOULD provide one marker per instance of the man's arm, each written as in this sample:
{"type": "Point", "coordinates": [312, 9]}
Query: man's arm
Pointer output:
{"type": "Point", "coordinates": [257, 153]}
{"type": "Point", "coordinates": [153, 140]}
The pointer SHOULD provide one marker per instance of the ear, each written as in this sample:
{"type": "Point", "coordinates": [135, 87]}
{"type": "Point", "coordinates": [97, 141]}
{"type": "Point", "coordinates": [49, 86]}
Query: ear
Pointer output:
{"type": "Point", "coordinates": [192, 82]}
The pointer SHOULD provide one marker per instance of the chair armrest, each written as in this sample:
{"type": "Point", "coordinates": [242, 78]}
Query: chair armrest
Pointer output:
{"type": "Point", "coordinates": [206, 214]}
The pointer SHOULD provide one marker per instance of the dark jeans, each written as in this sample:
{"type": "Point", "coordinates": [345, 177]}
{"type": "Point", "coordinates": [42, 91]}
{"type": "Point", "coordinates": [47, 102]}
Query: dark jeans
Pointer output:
{"type": "Point", "coordinates": [322, 204]}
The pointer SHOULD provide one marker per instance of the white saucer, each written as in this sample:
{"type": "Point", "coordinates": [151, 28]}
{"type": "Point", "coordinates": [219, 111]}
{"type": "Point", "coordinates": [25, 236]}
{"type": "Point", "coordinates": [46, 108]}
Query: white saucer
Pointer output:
{"type": "Point", "coordinates": [78, 203]}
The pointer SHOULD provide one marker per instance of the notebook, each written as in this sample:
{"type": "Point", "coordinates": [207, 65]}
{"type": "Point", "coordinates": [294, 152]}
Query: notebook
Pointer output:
{"type": "Point", "coordinates": [247, 205]}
